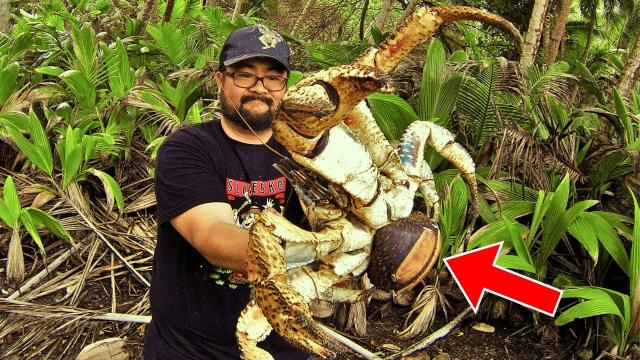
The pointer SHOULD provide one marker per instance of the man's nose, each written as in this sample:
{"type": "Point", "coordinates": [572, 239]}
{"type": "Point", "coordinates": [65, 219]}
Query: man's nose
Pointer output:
{"type": "Point", "coordinates": [259, 87]}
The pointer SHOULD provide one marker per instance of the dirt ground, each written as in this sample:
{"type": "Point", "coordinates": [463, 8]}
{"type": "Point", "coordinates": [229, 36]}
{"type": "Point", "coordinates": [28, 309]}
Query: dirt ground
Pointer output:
{"type": "Point", "coordinates": [507, 342]}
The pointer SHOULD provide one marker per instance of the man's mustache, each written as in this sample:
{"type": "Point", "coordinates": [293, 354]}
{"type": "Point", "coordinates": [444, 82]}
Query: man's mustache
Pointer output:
{"type": "Point", "coordinates": [248, 98]}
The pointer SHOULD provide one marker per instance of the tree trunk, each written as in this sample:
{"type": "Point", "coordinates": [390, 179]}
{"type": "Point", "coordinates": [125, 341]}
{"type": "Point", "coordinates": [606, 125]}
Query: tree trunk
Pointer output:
{"type": "Point", "coordinates": [557, 31]}
{"type": "Point", "coordinates": [630, 29]}
{"type": "Point", "coordinates": [546, 32]}
{"type": "Point", "coordinates": [168, 11]}
{"type": "Point", "coordinates": [625, 84]}
{"type": "Point", "coordinates": [236, 11]}
{"type": "Point", "coordinates": [587, 46]}
{"type": "Point", "coordinates": [363, 16]}
{"type": "Point", "coordinates": [303, 16]}
{"type": "Point", "coordinates": [534, 32]}
{"type": "Point", "coordinates": [149, 13]}
{"type": "Point", "coordinates": [383, 15]}
{"type": "Point", "coordinates": [5, 11]}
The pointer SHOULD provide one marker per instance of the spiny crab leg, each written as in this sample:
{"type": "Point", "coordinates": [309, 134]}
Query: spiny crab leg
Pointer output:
{"type": "Point", "coordinates": [322, 100]}
{"type": "Point", "coordinates": [420, 26]}
{"type": "Point", "coordinates": [412, 145]}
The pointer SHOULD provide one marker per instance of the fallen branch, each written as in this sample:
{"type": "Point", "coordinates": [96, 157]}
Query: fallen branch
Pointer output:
{"type": "Point", "coordinates": [350, 344]}
{"type": "Point", "coordinates": [44, 273]}
{"type": "Point", "coordinates": [440, 333]}
{"type": "Point", "coordinates": [52, 312]}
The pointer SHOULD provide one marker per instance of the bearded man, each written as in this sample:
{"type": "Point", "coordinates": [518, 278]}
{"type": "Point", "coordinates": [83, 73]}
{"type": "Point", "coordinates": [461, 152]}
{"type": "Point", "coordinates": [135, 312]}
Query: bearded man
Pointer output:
{"type": "Point", "coordinates": [210, 177]}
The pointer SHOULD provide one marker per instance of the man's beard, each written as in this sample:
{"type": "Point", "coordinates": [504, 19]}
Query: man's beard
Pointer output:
{"type": "Point", "coordinates": [257, 122]}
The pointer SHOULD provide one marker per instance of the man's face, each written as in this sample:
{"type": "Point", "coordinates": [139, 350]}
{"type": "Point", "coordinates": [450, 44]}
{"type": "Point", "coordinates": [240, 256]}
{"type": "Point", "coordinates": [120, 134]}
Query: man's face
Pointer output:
{"type": "Point", "coordinates": [256, 105]}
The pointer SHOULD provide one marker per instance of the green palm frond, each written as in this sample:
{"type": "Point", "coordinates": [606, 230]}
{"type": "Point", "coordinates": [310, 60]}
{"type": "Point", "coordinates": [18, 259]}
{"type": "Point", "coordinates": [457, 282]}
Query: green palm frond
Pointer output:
{"type": "Point", "coordinates": [439, 89]}
{"type": "Point", "coordinates": [489, 99]}
{"type": "Point", "coordinates": [392, 113]}
{"type": "Point", "coordinates": [171, 41]}
{"type": "Point", "coordinates": [553, 81]}
{"type": "Point", "coordinates": [184, 11]}
{"type": "Point", "coordinates": [332, 54]}
{"type": "Point", "coordinates": [158, 107]}
{"type": "Point", "coordinates": [85, 50]}
{"type": "Point", "coordinates": [217, 25]}
{"type": "Point", "coordinates": [120, 75]}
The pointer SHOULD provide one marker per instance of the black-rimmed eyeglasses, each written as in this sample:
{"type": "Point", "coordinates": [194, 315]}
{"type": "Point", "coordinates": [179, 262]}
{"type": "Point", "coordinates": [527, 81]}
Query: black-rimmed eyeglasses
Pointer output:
{"type": "Point", "coordinates": [248, 80]}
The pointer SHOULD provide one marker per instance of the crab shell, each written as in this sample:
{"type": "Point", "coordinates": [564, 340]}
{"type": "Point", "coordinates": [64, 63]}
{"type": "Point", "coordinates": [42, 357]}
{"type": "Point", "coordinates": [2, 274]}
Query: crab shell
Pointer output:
{"type": "Point", "coordinates": [403, 253]}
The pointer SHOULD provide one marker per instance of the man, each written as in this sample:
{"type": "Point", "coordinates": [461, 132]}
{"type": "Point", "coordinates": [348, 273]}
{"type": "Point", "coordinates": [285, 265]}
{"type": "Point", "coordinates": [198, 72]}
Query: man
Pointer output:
{"type": "Point", "coordinates": [211, 178]}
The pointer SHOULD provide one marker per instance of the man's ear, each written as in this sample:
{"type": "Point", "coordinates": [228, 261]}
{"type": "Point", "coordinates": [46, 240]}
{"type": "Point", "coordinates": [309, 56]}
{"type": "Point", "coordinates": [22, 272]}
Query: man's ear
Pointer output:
{"type": "Point", "coordinates": [219, 76]}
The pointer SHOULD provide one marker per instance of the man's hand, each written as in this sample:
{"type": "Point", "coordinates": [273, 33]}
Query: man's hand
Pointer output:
{"type": "Point", "coordinates": [210, 229]}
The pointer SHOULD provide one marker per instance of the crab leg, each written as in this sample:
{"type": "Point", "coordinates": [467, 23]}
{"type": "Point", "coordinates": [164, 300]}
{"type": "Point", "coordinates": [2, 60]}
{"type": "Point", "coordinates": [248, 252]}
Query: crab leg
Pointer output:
{"type": "Point", "coordinates": [283, 305]}
{"type": "Point", "coordinates": [442, 141]}
{"type": "Point", "coordinates": [419, 27]}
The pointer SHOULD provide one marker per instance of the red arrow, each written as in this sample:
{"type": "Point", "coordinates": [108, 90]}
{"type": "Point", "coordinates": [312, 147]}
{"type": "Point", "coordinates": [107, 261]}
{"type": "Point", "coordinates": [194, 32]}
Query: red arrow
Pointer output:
{"type": "Point", "coordinates": [475, 272]}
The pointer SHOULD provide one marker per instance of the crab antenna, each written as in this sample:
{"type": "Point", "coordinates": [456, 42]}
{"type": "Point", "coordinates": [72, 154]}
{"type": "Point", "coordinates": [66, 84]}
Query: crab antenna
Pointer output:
{"type": "Point", "coordinates": [419, 27]}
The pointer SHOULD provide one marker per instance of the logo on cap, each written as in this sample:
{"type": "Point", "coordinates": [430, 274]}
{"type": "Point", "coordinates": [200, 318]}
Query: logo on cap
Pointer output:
{"type": "Point", "coordinates": [269, 38]}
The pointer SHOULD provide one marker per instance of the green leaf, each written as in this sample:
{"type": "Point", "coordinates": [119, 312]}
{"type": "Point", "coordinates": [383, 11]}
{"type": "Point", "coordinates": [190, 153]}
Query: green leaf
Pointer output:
{"type": "Point", "coordinates": [119, 70]}
{"type": "Point", "coordinates": [49, 70]}
{"type": "Point", "coordinates": [471, 38]}
{"type": "Point", "coordinates": [171, 41]}
{"type": "Point", "coordinates": [431, 80]}
{"type": "Point", "coordinates": [111, 189]}
{"type": "Point", "coordinates": [454, 207]}
{"type": "Point", "coordinates": [333, 54]}
{"type": "Point", "coordinates": [609, 240]}
{"type": "Point", "coordinates": [511, 190]}
{"type": "Point", "coordinates": [515, 208]}
{"type": "Point", "coordinates": [41, 141]}
{"type": "Point", "coordinates": [516, 240]}
{"type": "Point", "coordinates": [392, 113]}
{"type": "Point", "coordinates": [557, 206]}
{"type": "Point", "coordinates": [27, 221]}
{"type": "Point", "coordinates": [486, 212]}
{"type": "Point", "coordinates": [538, 214]}
{"type": "Point", "coordinates": [515, 263]}
{"type": "Point", "coordinates": [71, 166]}
{"type": "Point", "coordinates": [600, 301]}
{"type": "Point", "coordinates": [439, 90]}
{"type": "Point", "coordinates": [587, 309]}
{"type": "Point", "coordinates": [493, 233]}
{"type": "Point", "coordinates": [635, 246]}
{"type": "Point", "coordinates": [48, 221]}
{"type": "Point", "coordinates": [617, 221]}
{"type": "Point", "coordinates": [294, 77]}
{"type": "Point", "coordinates": [82, 88]}
{"type": "Point", "coordinates": [85, 49]}
{"type": "Point", "coordinates": [552, 236]}
{"type": "Point", "coordinates": [477, 103]}
{"type": "Point", "coordinates": [585, 234]}
{"type": "Point", "coordinates": [10, 209]}
{"type": "Point", "coordinates": [621, 110]}
{"type": "Point", "coordinates": [8, 81]}
{"type": "Point", "coordinates": [36, 155]}
{"type": "Point", "coordinates": [193, 115]}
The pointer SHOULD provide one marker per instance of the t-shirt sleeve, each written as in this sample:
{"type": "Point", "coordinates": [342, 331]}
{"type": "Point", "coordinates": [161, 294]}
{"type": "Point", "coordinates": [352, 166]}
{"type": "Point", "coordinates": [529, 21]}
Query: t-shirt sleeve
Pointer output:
{"type": "Point", "coordinates": [186, 175]}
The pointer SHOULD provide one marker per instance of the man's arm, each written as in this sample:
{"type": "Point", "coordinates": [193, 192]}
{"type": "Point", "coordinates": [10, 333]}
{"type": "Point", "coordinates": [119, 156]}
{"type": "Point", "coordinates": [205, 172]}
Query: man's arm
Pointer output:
{"type": "Point", "coordinates": [209, 228]}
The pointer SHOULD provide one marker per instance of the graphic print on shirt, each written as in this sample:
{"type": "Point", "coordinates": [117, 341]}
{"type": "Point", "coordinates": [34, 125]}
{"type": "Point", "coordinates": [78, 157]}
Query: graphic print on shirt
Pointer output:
{"type": "Point", "coordinates": [244, 215]}
{"type": "Point", "coordinates": [258, 195]}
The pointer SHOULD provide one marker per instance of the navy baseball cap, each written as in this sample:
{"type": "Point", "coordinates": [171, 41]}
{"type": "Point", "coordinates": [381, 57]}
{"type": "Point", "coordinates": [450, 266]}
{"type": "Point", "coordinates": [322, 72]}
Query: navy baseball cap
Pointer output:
{"type": "Point", "coordinates": [254, 41]}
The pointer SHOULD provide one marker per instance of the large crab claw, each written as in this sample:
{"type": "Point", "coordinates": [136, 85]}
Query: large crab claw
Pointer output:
{"type": "Point", "coordinates": [321, 101]}
{"type": "Point", "coordinates": [284, 308]}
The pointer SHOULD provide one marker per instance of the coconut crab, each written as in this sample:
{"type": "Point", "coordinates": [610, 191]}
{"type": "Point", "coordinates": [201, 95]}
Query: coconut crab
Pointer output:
{"type": "Point", "coordinates": [358, 193]}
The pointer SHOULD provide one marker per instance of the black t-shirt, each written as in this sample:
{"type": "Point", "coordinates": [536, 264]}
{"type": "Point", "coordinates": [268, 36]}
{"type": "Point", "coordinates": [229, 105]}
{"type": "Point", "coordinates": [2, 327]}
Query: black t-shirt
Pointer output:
{"type": "Point", "coordinates": [195, 305]}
